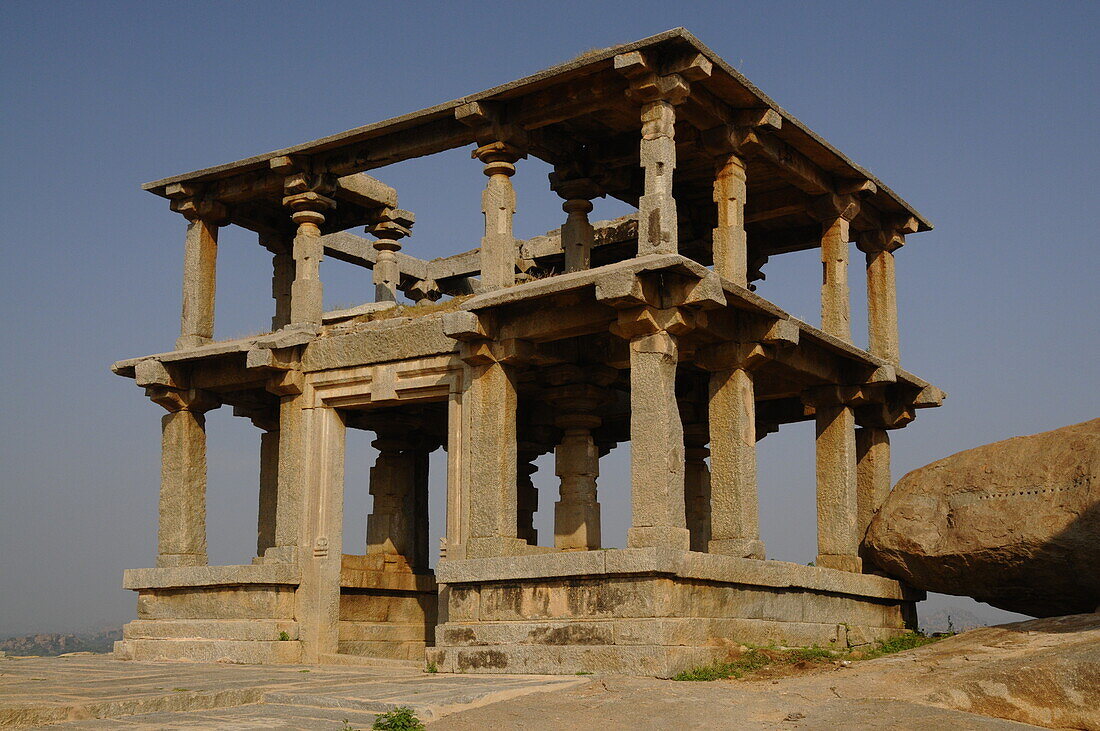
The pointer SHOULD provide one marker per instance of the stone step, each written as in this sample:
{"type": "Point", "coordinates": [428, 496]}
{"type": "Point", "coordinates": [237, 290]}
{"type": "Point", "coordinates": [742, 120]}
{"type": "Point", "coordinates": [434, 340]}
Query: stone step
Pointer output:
{"type": "Point", "coordinates": [231, 651]}
{"type": "Point", "coordinates": [250, 630]}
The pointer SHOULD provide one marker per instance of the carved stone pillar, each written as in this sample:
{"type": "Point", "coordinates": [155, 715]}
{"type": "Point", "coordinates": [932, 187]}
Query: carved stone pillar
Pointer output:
{"type": "Point", "coordinates": [656, 432]}
{"type": "Point", "coordinates": [267, 504]}
{"type": "Point", "coordinates": [659, 93]}
{"type": "Point", "coordinates": [575, 392]}
{"type": "Point", "coordinates": [835, 213]}
{"type": "Point", "coordinates": [305, 197]}
{"type": "Point", "coordinates": [397, 525]}
{"type": "Point", "coordinates": [837, 487]}
{"type": "Point", "coordinates": [577, 234]}
{"type": "Point", "coordinates": [730, 242]}
{"type": "Point", "coordinates": [199, 266]}
{"type": "Point", "coordinates": [734, 503]}
{"type": "Point", "coordinates": [498, 204]}
{"type": "Point", "coordinates": [393, 224]}
{"type": "Point", "coordinates": [181, 538]}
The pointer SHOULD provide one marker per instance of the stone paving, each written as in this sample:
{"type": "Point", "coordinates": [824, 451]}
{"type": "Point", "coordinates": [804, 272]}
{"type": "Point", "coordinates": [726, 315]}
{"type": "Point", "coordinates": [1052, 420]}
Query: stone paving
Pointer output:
{"type": "Point", "coordinates": [97, 691]}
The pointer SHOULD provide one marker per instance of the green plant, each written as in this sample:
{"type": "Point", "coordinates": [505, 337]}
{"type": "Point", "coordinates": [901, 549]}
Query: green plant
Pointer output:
{"type": "Point", "coordinates": [431, 667]}
{"type": "Point", "coordinates": [584, 672]}
{"type": "Point", "coordinates": [284, 637]}
{"type": "Point", "coordinates": [399, 719]}
{"type": "Point", "coordinates": [907, 641]}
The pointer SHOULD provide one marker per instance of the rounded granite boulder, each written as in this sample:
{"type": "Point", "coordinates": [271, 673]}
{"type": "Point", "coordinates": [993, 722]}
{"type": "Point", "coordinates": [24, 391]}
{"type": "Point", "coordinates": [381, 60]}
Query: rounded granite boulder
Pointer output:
{"type": "Point", "coordinates": [1015, 524]}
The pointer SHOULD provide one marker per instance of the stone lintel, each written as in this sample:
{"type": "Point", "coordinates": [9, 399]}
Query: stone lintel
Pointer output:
{"type": "Point", "coordinates": [185, 576]}
{"type": "Point", "coordinates": [673, 562]}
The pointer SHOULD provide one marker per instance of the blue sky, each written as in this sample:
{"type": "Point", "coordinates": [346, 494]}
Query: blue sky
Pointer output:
{"type": "Point", "coordinates": [982, 115]}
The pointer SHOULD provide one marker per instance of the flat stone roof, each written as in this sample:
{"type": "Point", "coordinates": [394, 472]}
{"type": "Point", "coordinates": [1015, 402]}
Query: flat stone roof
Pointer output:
{"type": "Point", "coordinates": [435, 129]}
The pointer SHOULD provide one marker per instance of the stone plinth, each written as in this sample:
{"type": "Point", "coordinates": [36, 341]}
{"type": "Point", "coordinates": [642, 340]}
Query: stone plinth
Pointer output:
{"type": "Point", "coordinates": [385, 613]}
{"type": "Point", "coordinates": [239, 614]}
{"type": "Point", "coordinates": [651, 611]}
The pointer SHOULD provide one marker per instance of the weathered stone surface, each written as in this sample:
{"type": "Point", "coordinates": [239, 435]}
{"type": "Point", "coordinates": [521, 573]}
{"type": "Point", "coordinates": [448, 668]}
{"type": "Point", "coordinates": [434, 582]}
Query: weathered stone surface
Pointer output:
{"type": "Point", "coordinates": [1015, 524]}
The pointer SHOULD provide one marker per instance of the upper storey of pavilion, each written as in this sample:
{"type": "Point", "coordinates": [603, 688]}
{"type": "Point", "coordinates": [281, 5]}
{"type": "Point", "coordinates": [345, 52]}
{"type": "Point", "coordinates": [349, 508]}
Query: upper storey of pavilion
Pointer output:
{"type": "Point", "coordinates": [582, 116]}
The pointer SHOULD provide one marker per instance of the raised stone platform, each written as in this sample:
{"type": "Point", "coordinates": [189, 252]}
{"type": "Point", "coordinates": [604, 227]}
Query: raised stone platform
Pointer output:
{"type": "Point", "coordinates": [649, 611]}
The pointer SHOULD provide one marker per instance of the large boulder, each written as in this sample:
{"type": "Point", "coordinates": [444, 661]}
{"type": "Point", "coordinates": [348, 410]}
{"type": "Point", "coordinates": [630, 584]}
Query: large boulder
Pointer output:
{"type": "Point", "coordinates": [1015, 524]}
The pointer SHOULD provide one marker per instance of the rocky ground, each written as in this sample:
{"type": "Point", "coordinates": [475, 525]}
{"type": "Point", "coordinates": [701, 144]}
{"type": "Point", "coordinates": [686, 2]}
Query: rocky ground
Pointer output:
{"type": "Point", "coordinates": [1042, 672]}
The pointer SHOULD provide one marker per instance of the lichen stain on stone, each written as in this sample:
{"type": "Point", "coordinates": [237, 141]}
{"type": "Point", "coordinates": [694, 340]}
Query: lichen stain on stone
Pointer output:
{"type": "Point", "coordinates": [482, 659]}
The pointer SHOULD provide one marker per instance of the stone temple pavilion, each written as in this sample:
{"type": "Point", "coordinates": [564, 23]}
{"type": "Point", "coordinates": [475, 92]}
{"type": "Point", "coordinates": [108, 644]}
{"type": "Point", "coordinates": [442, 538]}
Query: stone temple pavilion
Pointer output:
{"type": "Point", "coordinates": [642, 330]}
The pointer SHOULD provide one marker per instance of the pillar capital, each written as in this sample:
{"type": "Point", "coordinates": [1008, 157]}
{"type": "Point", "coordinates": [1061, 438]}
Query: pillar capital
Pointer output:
{"type": "Point", "coordinates": [832, 395]}
{"type": "Point", "coordinates": [831, 206]}
{"type": "Point", "coordinates": [200, 209]}
{"type": "Point", "coordinates": [872, 242]}
{"type": "Point", "coordinates": [734, 355]}
{"type": "Point", "coordinates": [643, 321]}
{"type": "Point", "coordinates": [500, 158]}
{"type": "Point", "coordinates": [671, 83]}
{"type": "Point", "coordinates": [194, 400]}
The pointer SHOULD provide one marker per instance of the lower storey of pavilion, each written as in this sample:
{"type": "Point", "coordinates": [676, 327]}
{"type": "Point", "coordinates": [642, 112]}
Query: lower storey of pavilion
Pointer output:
{"type": "Point", "coordinates": [496, 393]}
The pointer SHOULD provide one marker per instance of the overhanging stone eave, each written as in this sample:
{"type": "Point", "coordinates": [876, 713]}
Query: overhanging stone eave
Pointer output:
{"type": "Point", "coordinates": [793, 131]}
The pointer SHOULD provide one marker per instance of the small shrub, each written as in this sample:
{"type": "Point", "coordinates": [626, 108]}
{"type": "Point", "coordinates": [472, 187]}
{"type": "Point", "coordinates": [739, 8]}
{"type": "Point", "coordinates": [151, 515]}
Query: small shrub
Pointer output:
{"type": "Point", "coordinates": [431, 668]}
{"type": "Point", "coordinates": [399, 719]}
{"type": "Point", "coordinates": [284, 637]}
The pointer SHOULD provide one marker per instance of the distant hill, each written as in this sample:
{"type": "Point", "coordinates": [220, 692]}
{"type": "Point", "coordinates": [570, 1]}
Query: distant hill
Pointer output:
{"type": "Point", "coordinates": [45, 645]}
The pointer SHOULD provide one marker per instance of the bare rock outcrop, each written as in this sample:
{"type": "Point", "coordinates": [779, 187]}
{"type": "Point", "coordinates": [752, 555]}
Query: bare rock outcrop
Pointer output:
{"type": "Point", "coordinates": [1015, 524]}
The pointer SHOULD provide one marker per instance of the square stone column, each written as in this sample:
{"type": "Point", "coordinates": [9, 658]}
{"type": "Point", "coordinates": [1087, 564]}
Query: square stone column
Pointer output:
{"type": "Point", "coordinates": [697, 485]}
{"type": "Point", "coordinates": [730, 244]}
{"type": "Point", "coordinates": [656, 446]}
{"type": "Point", "coordinates": [269, 490]}
{"type": "Point", "coordinates": [734, 503]}
{"type": "Point", "coordinates": [181, 537]}
{"type": "Point", "coordinates": [837, 487]}
{"type": "Point", "coordinates": [873, 481]}
{"type": "Point", "coordinates": [882, 296]}
{"type": "Point", "coordinates": [490, 458]}
{"type": "Point", "coordinates": [282, 276]}
{"type": "Point", "coordinates": [498, 204]}
{"type": "Point", "coordinates": [318, 594]}
{"type": "Point", "coordinates": [199, 267]}
{"type": "Point", "coordinates": [835, 213]}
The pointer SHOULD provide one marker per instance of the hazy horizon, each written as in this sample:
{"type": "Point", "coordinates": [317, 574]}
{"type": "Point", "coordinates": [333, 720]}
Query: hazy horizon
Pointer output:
{"type": "Point", "coordinates": [983, 116]}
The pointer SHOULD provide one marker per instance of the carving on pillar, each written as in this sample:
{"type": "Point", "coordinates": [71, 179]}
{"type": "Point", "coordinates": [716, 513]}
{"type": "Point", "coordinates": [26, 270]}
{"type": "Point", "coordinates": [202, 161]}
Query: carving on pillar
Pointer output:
{"type": "Point", "coordinates": [307, 195]}
{"type": "Point", "coordinates": [498, 204]}
{"type": "Point", "coordinates": [882, 297]}
{"type": "Point", "coordinates": [659, 93]}
{"type": "Point", "coordinates": [575, 392]}
{"type": "Point", "coordinates": [500, 146]}
{"type": "Point", "coordinates": [577, 234]}
{"type": "Point", "coordinates": [204, 216]}
{"type": "Point", "coordinates": [393, 225]}
{"type": "Point", "coordinates": [181, 539]}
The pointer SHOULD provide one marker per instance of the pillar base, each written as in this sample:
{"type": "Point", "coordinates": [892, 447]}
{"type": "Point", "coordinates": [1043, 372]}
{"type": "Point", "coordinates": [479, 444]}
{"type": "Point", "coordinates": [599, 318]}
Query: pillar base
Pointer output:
{"type": "Point", "coordinates": [186, 342]}
{"type": "Point", "coordinates": [659, 536]}
{"type": "Point", "coordinates": [853, 564]}
{"type": "Point", "coordinates": [166, 560]}
{"type": "Point", "coordinates": [739, 547]}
